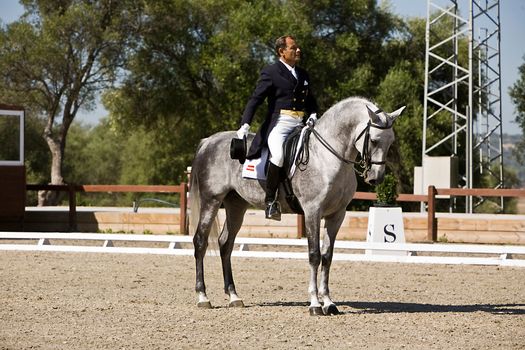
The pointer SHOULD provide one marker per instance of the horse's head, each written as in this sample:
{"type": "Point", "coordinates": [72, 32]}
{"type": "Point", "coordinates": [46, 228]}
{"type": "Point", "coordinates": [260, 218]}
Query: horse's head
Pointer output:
{"type": "Point", "coordinates": [373, 142]}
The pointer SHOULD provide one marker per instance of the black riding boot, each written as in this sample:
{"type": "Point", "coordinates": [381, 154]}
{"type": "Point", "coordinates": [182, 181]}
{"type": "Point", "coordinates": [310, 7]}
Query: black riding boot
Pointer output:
{"type": "Point", "coordinates": [273, 177]}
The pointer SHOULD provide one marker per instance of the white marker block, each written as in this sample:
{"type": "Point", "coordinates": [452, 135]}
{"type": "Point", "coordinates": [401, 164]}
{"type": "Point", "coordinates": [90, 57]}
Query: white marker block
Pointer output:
{"type": "Point", "coordinates": [385, 225]}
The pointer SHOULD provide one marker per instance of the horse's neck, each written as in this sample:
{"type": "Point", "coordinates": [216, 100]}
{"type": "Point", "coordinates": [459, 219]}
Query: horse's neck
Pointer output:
{"type": "Point", "coordinates": [340, 133]}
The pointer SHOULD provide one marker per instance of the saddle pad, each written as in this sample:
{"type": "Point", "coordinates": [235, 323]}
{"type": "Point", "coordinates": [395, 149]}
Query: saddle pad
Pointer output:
{"type": "Point", "coordinates": [255, 168]}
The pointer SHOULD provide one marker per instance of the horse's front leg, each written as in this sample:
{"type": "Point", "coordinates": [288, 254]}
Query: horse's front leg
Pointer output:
{"type": "Point", "coordinates": [332, 225]}
{"type": "Point", "coordinates": [312, 226]}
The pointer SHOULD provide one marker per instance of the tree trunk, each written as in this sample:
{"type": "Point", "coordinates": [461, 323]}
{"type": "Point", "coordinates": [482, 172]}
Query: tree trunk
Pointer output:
{"type": "Point", "coordinates": [57, 156]}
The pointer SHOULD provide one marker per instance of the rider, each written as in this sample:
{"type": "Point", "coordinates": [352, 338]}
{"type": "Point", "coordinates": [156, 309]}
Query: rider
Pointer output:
{"type": "Point", "coordinates": [290, 100]}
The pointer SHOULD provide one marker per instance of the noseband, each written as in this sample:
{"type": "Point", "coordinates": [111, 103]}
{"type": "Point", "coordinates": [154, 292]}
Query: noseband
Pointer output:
{"type": "Point", "coordinates": [366, 161]}
{"type": "Point", "coordinates": [366, 157]}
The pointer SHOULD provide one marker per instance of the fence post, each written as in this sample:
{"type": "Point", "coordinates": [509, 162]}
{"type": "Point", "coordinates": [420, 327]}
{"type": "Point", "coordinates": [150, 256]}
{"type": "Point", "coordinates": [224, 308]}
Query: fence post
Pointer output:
{"type": "Point", "coordinates": [183, 208]}
{"type": "Point", "coordinates": [431, 220]}
{"type": "Point", "coordinates": [300, 226]}
{"type": "Point", "coordinates": [72, 208]}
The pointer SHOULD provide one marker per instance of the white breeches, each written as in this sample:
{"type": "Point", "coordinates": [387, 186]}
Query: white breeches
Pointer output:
{"type": "Point", "coordinates": [285, 125]}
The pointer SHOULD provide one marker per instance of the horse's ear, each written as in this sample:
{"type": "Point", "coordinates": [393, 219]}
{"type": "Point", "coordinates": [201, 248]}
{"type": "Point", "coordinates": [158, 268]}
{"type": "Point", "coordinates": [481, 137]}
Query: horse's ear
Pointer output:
{"type": "Point", "coordinates": [396, 113]}
{"type": "Point", "coordinates": [373, 116]}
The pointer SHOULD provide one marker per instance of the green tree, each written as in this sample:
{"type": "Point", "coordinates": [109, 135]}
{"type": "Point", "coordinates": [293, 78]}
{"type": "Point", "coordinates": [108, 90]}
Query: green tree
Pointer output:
{"type": "Point", "coordinates": [9, 138]}
{"type": "Point", "coordinates": [37, 156]}
{"type": "Point", "coordinates": [58, 56]}
{"type": "Point", "coordinates": [103, 155]}
{"type": "Point", "coordinates": [95, 154]}
{"type": "Point", "coordinates": [191, 68]}
{"type": "Point", "coordinates": [198, 62]}
{"type": "Point", "coordinates": [492, 204]}
{"type": "Point", "coordinates": [517, 94]}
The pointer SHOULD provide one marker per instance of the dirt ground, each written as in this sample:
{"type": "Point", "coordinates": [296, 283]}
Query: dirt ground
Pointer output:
{"type": "Point", "coordinates": [121, 301]}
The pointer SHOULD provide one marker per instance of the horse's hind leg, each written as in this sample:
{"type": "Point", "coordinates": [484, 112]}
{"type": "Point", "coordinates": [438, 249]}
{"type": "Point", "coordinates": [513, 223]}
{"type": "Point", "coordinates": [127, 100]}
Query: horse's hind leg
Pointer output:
{"type": "Point", "coordinates": [312, 225]}
{"type": "Point", "coordinates": [332, 225]}
{"type": "Point", "coordinates": [235, 208]}
{"type": "Point", "coordinates": [208, 212]}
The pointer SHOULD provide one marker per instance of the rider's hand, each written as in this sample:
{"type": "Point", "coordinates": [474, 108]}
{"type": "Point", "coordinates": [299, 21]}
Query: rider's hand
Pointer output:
{"type": "Point", "coordinates": [243, 131]}
{"type": "Point", "coordinates": [312, 119]}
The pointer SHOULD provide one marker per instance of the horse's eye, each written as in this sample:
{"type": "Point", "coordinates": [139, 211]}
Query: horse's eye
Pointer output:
{"type": "Point", "coordinates": [374, 142]}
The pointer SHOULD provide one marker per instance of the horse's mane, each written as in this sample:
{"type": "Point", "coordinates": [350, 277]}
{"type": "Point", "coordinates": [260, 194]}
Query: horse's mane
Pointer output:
{"type": "Point", "coordinates": [350, 108]}
{"type": "Point", "coordinates": [344, 106]}
{"type": "Point", "coordinates": [347, 101]}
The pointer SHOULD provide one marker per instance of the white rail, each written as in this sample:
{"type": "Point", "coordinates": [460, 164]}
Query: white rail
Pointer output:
{"type": "Point", "coordinates": [502, 255]}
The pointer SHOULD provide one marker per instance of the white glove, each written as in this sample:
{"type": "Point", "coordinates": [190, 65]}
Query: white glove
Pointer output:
{"type": "Point", "coordinates": [243, 131]}
{"type": "Point", "coordinates": [312, 119]}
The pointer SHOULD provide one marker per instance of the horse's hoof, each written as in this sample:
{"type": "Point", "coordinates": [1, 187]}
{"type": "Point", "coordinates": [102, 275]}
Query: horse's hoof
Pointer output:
{"type": "Point", "coordinates": [204, 304]}
{"type": "Point", "coordinates": [331, 310]}
{"type": "Point", "coordinates": [236, 303]}
{"type": "Point", "coordinates": [316, 311]}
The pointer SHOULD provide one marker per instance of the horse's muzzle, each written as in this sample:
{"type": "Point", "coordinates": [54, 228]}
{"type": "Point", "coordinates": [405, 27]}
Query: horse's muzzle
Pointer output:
{"type": "Point", "coordinates": [375, 177]}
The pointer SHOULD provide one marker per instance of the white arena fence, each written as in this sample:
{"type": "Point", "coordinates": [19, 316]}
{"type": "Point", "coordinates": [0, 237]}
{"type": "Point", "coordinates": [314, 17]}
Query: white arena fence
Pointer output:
{"type": "Point", "coordinates": [424, 253]}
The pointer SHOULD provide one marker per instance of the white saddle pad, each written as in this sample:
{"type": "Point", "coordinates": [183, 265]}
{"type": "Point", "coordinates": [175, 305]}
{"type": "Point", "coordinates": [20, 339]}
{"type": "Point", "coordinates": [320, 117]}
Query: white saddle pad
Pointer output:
{"type": "Point", "coordinates": [254, 168]}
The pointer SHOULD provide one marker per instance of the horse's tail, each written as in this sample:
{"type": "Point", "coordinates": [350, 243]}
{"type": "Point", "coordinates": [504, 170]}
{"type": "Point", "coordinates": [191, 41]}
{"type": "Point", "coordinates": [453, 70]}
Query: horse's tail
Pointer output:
{"type": "Point", "coordinates": [195, 207]}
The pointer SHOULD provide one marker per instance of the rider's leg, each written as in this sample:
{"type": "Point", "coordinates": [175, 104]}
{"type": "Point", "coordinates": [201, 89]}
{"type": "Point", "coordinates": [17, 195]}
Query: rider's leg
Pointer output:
{"type": "Point", "coordinates": [273, 178]}
{"type": "Point", "coordinates": [282, 129]}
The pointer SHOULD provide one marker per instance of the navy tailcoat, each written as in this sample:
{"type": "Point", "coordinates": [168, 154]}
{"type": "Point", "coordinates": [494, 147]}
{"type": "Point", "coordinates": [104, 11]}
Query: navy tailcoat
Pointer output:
{"type": "Point", "coordinates": [282, 91]}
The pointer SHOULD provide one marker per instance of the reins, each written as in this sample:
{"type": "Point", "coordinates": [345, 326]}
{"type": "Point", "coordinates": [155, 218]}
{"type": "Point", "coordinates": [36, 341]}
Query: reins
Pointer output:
{"type": "Point", "coordinates": [365, 162]}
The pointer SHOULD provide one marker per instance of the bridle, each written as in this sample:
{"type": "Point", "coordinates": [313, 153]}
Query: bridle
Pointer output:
{"type": "Point", "coordinates": [365, 162]}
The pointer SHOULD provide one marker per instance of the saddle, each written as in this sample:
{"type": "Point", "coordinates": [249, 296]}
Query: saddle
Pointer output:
{"type": "Point", "coordinates": [290, 150]}
{"type": "Point", "coordinates": [256, 168]}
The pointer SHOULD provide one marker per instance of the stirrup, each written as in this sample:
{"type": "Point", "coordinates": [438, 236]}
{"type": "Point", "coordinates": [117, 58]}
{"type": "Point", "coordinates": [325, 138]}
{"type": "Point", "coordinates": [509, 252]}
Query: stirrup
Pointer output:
{"type": "Point", "coordinates": [273, 211]}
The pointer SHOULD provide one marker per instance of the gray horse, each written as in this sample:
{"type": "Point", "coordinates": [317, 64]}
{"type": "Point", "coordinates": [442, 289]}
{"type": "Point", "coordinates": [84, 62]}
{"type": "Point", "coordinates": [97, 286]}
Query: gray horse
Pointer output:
{"type": "Point", "coordinates": [324, 187]}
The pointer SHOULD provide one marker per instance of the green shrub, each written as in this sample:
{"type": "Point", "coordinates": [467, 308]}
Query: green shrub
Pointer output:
{"type": "Point", "coordinates": [387, 191]}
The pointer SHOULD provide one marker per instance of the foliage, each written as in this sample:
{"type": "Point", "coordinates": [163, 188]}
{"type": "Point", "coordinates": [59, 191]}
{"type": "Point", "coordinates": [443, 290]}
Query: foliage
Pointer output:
{"type": "Point", "coordinates": [56, 58]}
{"type": "Point", "coordinates": [95, 155]}
{"type": "Point", "coordinates": [517, 94]}
{"type": "Point", "coordinates": [399, 87]}
{"type": "Point", "coordinates": [185, 69]}
{"type": "Point", "coordinates": [185, 84]}
{"type": "Point", "coordinates": [387, 191]}
{"type": "Point", "coordinates": [490, 179]}
{"type": "Point", "coordinates": [9, 138]}
{"type": "Point", "coordinates": [37, 156]}
{"type": "Point", "coordinates": [102, 155]}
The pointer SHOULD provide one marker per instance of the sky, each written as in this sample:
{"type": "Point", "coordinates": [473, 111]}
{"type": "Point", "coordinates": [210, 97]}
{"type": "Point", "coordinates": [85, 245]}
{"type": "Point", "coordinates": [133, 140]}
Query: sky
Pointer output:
{"type": "Point", "coordinates": [512, 49]}
{"type": "Point", "coordinates": [512, 18]}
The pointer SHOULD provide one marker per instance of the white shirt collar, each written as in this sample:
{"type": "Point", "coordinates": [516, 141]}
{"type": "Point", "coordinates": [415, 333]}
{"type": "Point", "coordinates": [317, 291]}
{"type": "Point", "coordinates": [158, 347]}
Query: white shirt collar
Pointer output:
{"type": "Point", "coordinates": [290, 68]}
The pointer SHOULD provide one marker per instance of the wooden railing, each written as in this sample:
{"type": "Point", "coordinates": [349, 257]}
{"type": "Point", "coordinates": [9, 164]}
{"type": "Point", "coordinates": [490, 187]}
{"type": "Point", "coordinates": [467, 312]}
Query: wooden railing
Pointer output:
{"type": "Point", "coordinates": [72, 190]}
{"type": "Point", "coordinates": [182, 189]}
{"type": "Point", "coordinates": [430, 199]}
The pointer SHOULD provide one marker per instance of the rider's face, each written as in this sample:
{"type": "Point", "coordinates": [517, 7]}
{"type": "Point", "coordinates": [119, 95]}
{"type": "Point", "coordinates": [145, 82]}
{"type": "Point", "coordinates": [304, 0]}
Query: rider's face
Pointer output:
{"type": "Point", "coordinates": [292, 53]}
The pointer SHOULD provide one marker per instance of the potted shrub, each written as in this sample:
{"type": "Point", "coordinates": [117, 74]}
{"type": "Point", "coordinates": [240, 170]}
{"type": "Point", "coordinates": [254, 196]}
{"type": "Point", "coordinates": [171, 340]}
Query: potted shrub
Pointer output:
{"type": "Point", "coordinates": [386, 192]}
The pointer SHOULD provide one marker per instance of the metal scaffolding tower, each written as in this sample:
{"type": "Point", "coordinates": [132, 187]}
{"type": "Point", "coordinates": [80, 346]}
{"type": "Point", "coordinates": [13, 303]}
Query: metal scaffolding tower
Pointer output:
{"type": "Point", "coordinates": [463, 87]}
